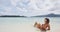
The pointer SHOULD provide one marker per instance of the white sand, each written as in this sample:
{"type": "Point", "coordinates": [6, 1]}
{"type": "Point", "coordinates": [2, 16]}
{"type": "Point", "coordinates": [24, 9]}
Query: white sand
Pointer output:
{"type": "Point", "coordinates": [22, 28]}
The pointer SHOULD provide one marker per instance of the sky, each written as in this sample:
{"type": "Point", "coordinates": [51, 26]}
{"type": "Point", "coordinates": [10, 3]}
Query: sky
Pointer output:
{"type": "Point", "coordinates": [29, 7]}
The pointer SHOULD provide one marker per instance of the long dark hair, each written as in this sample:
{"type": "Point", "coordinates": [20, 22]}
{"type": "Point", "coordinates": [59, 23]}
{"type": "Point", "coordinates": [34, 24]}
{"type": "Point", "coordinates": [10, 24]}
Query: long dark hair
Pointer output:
{"type": "Point", "coordinates": [47, 20]}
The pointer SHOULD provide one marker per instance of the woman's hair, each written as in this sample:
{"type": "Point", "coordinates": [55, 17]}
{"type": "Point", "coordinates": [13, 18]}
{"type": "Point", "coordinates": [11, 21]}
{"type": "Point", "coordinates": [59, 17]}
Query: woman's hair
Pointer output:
{"type": "Point", "coordinates": [47, 20]}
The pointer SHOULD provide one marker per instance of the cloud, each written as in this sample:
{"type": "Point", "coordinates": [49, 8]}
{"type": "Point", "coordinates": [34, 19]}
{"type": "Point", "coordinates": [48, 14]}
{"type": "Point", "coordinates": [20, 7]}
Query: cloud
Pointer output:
{"type": "Point", "coordinates": [5, 3]}
{"type": "Point", "coordinates": [29, 7]}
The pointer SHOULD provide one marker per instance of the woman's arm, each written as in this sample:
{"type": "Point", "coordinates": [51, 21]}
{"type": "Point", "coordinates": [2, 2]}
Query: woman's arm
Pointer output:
{"type": "Point", "coordinates": [48, 27]}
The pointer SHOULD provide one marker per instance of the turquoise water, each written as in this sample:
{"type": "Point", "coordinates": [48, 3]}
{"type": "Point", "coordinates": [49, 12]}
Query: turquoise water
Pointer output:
{"type": "Point", "coordinates": [54, 22]}
{"type": "Point", "coordinates": [17, 20]}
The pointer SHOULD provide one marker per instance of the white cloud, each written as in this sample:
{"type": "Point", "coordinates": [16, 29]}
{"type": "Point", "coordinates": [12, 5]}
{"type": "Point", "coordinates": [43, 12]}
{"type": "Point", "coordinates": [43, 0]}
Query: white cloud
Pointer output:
{"type": "Point", "coordinates": [29, 7]}
{"type": "Point", "coordinates": [14, 2]}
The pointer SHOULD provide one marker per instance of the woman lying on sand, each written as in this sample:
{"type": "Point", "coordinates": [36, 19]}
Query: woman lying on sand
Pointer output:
{"type": "Point", "coordinates": [44, 27]}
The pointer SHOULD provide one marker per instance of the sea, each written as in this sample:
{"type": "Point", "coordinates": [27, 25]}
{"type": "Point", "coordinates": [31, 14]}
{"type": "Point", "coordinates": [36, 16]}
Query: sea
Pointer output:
{"type": "Point", "coordinates": [26, 24]}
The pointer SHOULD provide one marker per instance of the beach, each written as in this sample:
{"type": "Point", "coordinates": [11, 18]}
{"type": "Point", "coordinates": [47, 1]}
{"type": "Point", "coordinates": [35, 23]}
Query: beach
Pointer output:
{"type": "Point", "coordinates": [26, 24]}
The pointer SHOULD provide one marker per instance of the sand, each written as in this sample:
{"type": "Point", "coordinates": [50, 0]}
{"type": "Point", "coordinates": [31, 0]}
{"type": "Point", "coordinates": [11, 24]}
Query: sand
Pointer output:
{"type": "Point", "coordinates": [23, 28]}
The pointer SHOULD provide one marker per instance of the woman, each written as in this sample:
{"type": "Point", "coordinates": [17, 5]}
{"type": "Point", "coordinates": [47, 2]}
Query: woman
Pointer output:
{"type": "Point", "coordinates": [44, 27]}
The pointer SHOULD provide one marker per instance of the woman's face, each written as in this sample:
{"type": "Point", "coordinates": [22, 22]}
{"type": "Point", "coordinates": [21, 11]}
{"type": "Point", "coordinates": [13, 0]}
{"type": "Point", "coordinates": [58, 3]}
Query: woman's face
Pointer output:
{"type": "Point", "coordinates": [45, 20]}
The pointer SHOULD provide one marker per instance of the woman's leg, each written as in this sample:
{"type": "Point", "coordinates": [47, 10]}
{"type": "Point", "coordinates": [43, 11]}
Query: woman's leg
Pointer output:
{"type": "Point", "coordinates": [35, 24]}
{"type": "Point", "coordinates": [39, 26]}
